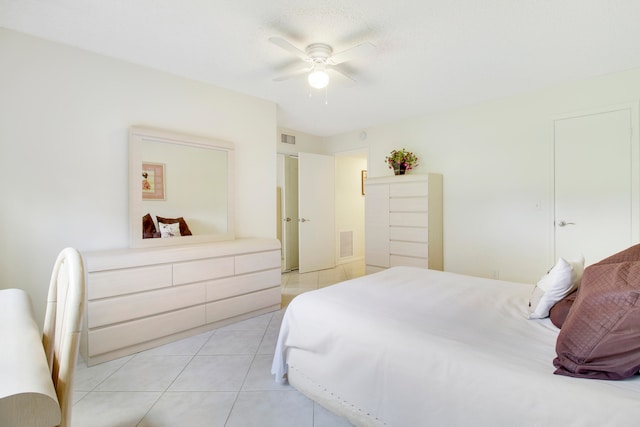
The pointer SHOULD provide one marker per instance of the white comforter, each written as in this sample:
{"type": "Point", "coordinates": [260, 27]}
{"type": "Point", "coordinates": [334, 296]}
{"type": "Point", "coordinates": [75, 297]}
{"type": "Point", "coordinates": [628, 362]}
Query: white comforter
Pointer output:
{"type": "Point", "coordinates": [415, 347]}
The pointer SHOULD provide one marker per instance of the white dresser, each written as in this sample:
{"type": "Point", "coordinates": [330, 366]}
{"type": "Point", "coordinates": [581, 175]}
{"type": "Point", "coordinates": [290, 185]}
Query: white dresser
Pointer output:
{"type": "Point", "coordinates": [141, 298]}
{"type": "Point", "coordinates": [403, 222]}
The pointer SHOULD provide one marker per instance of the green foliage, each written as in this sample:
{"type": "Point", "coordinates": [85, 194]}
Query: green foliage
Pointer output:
{"type": "Point", "coordinates": [403, 157]}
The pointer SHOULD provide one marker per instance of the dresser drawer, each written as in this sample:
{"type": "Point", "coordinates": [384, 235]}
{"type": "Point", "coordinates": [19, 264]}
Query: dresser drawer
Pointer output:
{"type": "Point", "coordinates": [120, 309]}
{"type": "Point", "coordinates": [377, 255]}
{"type": "Point", "coordinates": [202, 269]}
{"type": "Point", "coordinates": [395, 260]}
{"type": "Point", "coordinates": [131, 333]}
{"type": "Point", "coordinates": [408, 189]}
{"type": "Point", "coordinates": [409, 234]}
{"type": "Point", "coordinates": [409, 219]}
{"type": "Point", "coordinates": [258, 261]}
{"type": "Point", "coordinates": [219, 310]}
{"type": "Point", "coordinates": [103, 284]}
{"type": "Point", "coordinates": [409, 204]}
{"type": "Point", "coordinates": [232, 286]}
{"type": "Point", "coordinates": [371, 269]}
{"type": "Point", "coordinates": [409, 249]}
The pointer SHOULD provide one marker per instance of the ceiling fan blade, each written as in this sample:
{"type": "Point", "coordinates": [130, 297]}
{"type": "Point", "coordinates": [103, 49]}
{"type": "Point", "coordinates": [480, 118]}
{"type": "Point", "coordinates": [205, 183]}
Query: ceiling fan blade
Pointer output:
{"type": "Point", "coordinates": [343, 73]}
{"type": "Point", "coordinates": [358, 51]}
{"type": "Point", "coordinates": [284, 44]}
{"type": "Point", "coordinates": [293, 75]}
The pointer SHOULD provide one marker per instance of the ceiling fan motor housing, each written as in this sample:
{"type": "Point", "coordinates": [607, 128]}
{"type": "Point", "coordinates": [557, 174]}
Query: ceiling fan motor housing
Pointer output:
{"type": "Point", "coordinates": [319, 52]}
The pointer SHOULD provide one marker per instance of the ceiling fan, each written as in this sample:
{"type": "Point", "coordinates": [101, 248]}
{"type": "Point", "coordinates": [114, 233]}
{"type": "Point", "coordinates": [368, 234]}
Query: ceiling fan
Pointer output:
{"type": "Point", "coordinates": [321, 60]}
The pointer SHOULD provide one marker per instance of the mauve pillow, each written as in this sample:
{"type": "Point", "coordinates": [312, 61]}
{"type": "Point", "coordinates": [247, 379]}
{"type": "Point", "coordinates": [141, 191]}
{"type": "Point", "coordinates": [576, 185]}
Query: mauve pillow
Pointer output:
{"type": "Point", "coordinates": [600, 337]}
{"type": "Point", "coordinates": [559, 312]}
{"type": "Point", "coordinates": [184, 228]}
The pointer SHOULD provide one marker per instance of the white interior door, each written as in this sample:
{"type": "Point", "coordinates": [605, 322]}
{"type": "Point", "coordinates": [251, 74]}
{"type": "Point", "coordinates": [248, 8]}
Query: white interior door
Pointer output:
{"type": "Point", "coordinates": [595, 189]}
{"type": "Point", "coordinates": [316, 181]}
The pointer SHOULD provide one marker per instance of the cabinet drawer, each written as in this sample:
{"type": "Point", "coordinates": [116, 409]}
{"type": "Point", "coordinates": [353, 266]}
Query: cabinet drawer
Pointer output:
{"type": "Point", "coordinates": [396, 260]}
{"type": "Point", "coordinates": [202, 269]}
{"type": "Point", "coordinates": [371, 269]}
{"type": "Point", "coordinates": [376, 191]}
{"type": "Point", "coordinates": [256, 262]}
{"type": "Point", "coordinates": [409, 249]}
{"type": "Point", "coordinates": [219, 310]}
{"type": "Point", "coordinates": [377, 255]}
{"type": "Point", "coordinates": [409, 204]}
{"type": "Point", "coordinates": [131, 333]}
{"type": "Point", "coordinates": [409, 234]}
{"type": "Point", "coordinates": [409, 219]}
{"type": "Point", "coordinates": [103, 284]}
{"type": "Point", "coordinates": [409, 189]}
{"type": "Point", "coordinates": [232, 286]}
{"type": "Point", "coordinates": [120, 309]}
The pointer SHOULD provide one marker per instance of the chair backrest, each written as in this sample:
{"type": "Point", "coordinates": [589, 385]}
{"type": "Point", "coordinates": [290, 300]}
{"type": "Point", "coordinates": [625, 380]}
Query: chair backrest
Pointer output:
{"type": "Point", "coordinates": [63, 324]}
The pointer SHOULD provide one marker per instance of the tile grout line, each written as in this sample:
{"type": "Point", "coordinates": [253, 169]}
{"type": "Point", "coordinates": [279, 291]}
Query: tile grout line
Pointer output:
{"type": "Point", "coordinates": [94, 389]}
{"type": "Point", "coordinates": [163, 392]}
{"type": "Point", "coordinates": [226, 421]}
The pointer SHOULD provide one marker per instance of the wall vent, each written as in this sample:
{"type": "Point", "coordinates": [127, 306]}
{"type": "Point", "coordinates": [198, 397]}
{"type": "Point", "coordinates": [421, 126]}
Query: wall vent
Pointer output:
{"type": "Point", "coordinates": [346, 244]}
{"type": "Point", "coordinates": [287, 139]}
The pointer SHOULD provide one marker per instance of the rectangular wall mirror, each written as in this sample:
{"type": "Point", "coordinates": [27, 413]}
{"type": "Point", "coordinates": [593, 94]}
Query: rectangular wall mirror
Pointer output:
{"type": "Point", "coordinates": [180, 188]}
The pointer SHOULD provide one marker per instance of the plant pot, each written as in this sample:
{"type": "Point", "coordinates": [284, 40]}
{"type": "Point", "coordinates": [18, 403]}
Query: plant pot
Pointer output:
{"type": "Point", "coordinates": [399, 168]}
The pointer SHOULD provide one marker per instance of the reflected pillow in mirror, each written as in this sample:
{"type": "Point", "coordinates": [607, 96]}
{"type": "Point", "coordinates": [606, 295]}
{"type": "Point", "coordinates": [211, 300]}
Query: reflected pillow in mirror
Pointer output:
{"type": "Point", "coordinates": [169, 230]}
{"type": "Point", "coordinates": [148, 227]}
{"type": "Point", "coordinates": [184, 228]}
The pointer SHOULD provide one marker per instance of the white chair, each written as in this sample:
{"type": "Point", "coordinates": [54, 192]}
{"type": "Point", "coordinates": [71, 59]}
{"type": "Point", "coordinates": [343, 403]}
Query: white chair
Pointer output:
{"type": "Point", "coordinates": [63, 324]}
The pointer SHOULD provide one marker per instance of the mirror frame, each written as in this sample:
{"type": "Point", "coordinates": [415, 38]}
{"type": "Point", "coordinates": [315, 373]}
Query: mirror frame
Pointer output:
{"type": "Point", "coordinates": [139, 134]}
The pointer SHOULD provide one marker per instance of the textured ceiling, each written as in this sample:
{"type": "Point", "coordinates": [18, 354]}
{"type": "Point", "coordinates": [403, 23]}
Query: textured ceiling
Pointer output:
{"type": "Point", "coordinates": [431, 55]}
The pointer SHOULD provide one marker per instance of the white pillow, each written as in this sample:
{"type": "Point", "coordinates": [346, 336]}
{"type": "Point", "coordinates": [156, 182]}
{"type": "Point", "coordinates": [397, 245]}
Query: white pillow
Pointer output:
{"type": "Point", "coordinates": [559, 282]}
{"type": "Point", "coordinates": [169, 230]}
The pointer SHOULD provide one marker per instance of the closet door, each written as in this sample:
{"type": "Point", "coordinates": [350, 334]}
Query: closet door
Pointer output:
{"type": "Point", "coordinates": [595, 184]}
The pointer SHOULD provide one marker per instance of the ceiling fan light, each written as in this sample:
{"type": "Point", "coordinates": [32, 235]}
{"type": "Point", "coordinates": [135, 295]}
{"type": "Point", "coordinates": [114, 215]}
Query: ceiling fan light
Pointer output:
{"type": "Point", "coordinates": [318, 79]}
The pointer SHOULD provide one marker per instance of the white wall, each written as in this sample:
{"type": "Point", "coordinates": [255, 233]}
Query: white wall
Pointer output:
{"type": "Point", "coordinates": [350, 202]}
{"type": "Point", "coordinates": [496, 161]}
{"type": "Point", "coordinates": [64, 117]}
{"type": "Point", "coordinates": [305, 143]}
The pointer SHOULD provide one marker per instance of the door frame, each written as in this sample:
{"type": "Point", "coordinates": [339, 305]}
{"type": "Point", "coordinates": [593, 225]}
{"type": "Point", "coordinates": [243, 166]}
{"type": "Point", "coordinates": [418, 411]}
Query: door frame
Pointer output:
{"type": "Point", "coordinates": [634, 108]}
{"type": "Point", "coordinates": [290, 228]}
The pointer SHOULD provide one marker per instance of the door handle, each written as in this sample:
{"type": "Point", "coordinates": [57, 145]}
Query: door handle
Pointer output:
{"type": "Point", "coordinates": [563, 223]}
{"type": "Point", "coordinates": [287, 220]}
{"type": "Point", "coordinates": [304, 220]}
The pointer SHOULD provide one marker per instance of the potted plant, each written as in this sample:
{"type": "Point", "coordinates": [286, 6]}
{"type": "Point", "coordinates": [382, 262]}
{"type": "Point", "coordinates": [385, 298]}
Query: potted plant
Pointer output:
{"type": "Point", "coordinates": [401, 161]}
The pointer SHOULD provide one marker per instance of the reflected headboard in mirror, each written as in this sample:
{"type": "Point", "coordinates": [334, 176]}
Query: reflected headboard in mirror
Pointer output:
{"type": "Point", "coordinates": [175, 176]}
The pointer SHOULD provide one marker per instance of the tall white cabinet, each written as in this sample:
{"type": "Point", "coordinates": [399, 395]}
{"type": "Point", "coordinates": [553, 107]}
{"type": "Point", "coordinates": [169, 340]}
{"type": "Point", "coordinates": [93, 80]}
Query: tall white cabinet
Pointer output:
{"type": "Point", "coordinates": [403, 222]}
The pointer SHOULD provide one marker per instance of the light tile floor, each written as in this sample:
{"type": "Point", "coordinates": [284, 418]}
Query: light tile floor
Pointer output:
{"type": "Point", "coordinates": [218, 378]}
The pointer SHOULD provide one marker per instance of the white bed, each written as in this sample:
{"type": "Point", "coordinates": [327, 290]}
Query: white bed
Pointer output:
{"type": "Point", "coordinates": [415, 347]}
